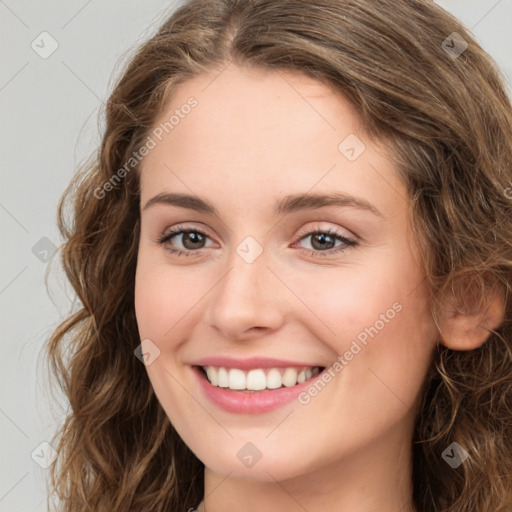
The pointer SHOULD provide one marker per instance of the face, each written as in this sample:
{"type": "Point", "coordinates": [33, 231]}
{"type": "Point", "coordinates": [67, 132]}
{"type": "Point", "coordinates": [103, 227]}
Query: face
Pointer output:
{"type": "Point", "coordinates": [320, 300]}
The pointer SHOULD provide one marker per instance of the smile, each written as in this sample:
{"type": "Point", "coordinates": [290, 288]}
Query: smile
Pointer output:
{"type": "Point", "coordinates": [258, 379]}
{"type": "Point", "coordinates": [253, 386]}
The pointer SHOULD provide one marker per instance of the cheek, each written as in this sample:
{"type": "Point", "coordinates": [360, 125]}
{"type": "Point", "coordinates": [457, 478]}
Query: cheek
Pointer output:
{"type": "Point", "coordinates": [378, 322]}
{"type": "Point", "coordinates": [345, 301]}
{"type": "Point", "coordinates": [163, 296]}
{"type": "Point", "coordinates": [150, 300]}
{"type": "Point", "coordinates": [160, 307]}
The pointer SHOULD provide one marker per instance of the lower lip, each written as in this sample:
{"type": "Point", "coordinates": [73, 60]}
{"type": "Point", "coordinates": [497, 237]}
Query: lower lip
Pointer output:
{"type": "Point", "coordinates": [256, 402]}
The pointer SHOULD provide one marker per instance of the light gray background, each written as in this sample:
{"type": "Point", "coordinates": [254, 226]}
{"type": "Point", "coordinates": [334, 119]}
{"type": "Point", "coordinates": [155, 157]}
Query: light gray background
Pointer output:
{"type": "Point", "coordinates": [49, 109]}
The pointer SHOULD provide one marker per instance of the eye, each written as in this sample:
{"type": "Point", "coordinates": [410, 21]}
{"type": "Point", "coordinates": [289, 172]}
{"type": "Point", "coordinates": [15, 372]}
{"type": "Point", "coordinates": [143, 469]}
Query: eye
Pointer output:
{"type": "Point", "coordinates": [323, 240]}
{"type": "Point", "coordinates": [191, 239]}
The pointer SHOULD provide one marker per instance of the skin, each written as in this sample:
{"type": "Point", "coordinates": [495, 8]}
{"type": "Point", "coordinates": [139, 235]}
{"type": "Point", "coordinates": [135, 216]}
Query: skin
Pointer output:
{"type": "Point", "coordinates": [255, 137]}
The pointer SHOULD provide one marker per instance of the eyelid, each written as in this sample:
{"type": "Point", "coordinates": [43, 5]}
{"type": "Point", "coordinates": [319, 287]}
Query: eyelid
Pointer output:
{"type": "Point", "coordinates": [302, 232]}
{"type": "Point", "coordinates": [179, 229]}
{"type": "Point", "coordinates": [176, 228]}
{"type": "Point", "coordinates": [320, 228]}
{"type": "Point", "coordinates": [347, 242]}
{"type": "Point", "coordinates": [348, 239]}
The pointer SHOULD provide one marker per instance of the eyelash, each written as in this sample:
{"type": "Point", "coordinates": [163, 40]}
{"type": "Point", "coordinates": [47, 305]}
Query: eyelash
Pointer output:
{"type": "Point", "coordinates": [178, 230]}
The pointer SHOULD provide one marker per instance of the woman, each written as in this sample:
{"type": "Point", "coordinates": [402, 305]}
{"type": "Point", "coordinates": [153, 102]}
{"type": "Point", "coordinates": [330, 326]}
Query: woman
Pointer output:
{"type": "Point", "coordinates": [225, 357]}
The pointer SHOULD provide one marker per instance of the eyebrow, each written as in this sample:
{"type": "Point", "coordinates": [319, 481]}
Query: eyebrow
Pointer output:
{"type": "Point", "coordinates": [288, 204]}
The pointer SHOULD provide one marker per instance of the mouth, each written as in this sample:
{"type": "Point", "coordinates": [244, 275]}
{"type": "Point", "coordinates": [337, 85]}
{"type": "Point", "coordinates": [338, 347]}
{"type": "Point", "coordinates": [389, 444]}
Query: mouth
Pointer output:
{"type": "Point", "coordinates": [257, 379]}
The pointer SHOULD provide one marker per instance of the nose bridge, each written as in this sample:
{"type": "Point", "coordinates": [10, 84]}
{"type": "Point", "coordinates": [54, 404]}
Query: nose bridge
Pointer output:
{"type": "Point", "coordinates": [246, 296]}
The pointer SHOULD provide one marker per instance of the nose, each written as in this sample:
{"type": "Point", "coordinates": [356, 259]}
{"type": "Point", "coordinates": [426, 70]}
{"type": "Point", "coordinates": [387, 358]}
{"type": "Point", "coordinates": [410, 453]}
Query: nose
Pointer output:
{"type": "Point", "coordinates": [248, 301]}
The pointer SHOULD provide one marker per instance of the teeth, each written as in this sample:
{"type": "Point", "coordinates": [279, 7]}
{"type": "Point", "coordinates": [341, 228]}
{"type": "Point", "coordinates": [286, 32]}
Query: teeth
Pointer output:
{"type": "Point", "coordinates": [274, 379]}
{"type": "Point", "coordinates": [258, 379]}
{"type": "Point", "coordinates": [222, 377]}
{"type": "Point", "coordinates": [290, 377]}
{"type": "Point", "coordinates": [212, 376]}
{"type": "Point", "coordinates": [236, 379]}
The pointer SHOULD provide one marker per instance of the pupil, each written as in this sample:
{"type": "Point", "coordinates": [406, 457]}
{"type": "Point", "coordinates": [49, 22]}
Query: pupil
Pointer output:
{"type": "Point", "coordinates": [322, 237]}
{"type": "Point", "coordinates": [191, 236]}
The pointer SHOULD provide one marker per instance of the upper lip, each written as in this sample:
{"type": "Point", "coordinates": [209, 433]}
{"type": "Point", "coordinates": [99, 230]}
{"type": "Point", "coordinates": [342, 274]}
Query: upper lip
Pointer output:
{"type": "Point", "coordinates": [251, 363]}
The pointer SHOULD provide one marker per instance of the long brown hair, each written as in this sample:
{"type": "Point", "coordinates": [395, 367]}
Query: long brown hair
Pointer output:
{"type": "Point", "coordinates": [447, 119]}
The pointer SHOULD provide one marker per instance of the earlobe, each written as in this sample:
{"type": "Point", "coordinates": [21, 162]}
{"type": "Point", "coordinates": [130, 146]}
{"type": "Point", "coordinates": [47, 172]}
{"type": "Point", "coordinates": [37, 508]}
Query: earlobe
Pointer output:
{"type": "Point", "coordinates": [467, 331]}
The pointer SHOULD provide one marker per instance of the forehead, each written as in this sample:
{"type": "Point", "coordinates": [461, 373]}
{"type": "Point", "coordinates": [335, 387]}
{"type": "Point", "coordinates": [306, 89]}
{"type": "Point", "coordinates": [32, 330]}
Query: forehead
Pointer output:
{"type": "Point", "coordinates": [260, 100]}
{"type": "Point", "coordinates": [257, 130]}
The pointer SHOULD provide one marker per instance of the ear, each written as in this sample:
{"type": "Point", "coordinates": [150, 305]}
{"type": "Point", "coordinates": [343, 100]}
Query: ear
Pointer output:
{"type": "Point", "coordinates": [469, 329]}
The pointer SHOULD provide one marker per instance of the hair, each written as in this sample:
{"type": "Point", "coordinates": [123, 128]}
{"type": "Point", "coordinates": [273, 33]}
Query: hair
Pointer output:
{"type": "Point", "coordinates": [448, 124]}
